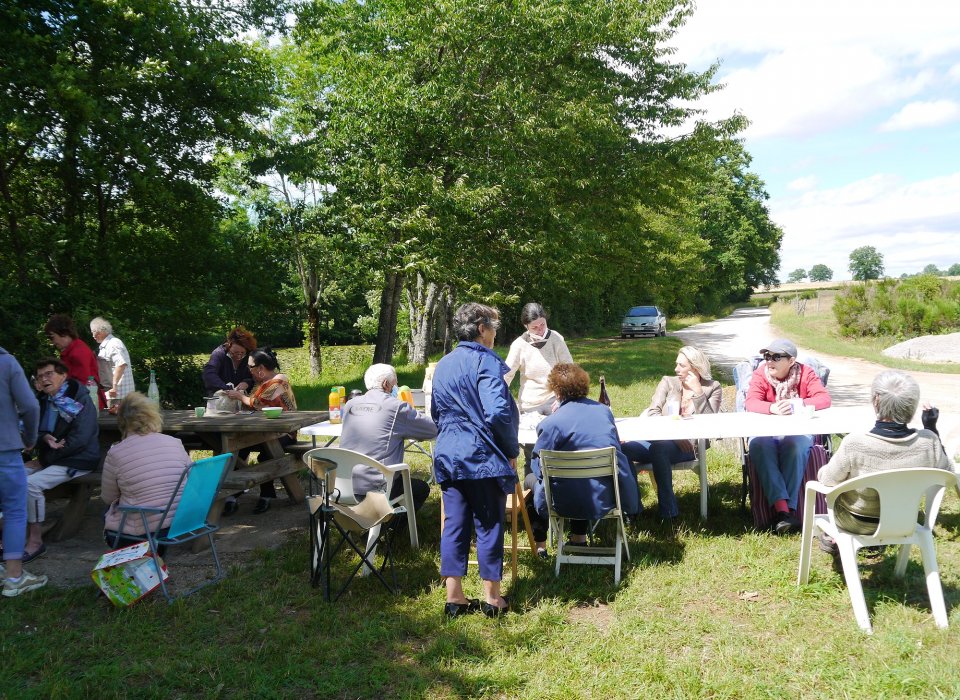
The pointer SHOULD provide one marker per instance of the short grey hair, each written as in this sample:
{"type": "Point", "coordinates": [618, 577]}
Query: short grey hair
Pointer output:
{"type": "Point", "coordinates": [469, 317]}
{"type": "Point", "coordinates": [377, 374]}
{"type": "Point", "coordinates": [895, 396]}
{"type": "Point", "coordinates": [698, 361]}
{"type": "Point", "coordinates": [100, 324]}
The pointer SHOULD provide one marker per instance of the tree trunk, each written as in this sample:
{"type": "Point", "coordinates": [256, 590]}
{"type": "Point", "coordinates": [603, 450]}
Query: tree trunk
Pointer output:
{"type": "Point", "coordinates": [448, 301]}
{"type": "Point", "coordinates": [387, 325]}
{"type": "Point", "coordinates": [422, 300]}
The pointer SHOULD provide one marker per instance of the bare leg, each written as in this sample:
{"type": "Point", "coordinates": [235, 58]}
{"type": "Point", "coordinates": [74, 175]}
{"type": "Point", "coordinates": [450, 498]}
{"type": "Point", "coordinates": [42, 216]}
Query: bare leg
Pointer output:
{"type": "Point", "coordinates": [491, 591]}
{"type": "Point", "coordinates": [455, 590]}
{"type": "Point", "coordinates": [34, 537]}
{"type": "Point", "coordinates": [14, 568]}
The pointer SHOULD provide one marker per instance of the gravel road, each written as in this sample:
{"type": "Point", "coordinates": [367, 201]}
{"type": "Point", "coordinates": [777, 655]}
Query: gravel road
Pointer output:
{"type": "Point", "coordinates": [731, 339]}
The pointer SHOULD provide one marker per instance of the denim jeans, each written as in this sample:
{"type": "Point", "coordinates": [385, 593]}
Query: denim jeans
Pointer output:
{"type": "Point", "coordinates": [13, 500]}
{"type": "Point", "coordinates": [661, 455]}
{"type": "Point", "coordinates": [779, 463]}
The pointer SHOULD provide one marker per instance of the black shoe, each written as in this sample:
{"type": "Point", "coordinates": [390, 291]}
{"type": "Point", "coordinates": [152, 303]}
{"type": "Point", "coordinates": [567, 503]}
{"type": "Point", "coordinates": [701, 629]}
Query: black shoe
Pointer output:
{"type": "Point", "coordinates": [828, 544]}
{"type": "Point", "coordinates": [459, 609]}
{"type": "Point", "coordinates": [263, 505]}
{"type": "Point", "coordinates": [493, 610]}
{"type": "Point", "coordinates": [787, 523]}
{"type": "Point", "coordinates": [542, 553]}
{"type": "Point", "coordinates": [230, 507]}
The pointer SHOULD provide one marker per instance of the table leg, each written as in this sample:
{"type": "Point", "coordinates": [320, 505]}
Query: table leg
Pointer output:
{"type": "Point", "coordinates": [704, 486]}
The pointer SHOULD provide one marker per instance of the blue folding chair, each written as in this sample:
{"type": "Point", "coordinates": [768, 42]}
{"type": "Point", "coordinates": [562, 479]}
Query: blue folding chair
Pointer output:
{"type": "Point", "coordinates": [198, 486]}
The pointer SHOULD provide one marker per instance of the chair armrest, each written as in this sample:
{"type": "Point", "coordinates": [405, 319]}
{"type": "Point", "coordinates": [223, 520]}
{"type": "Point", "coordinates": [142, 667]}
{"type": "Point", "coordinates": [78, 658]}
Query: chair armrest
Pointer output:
{"type": "Point", "coordinates": [402, 467]}
{"type": "Point", "coordinates": [820, 488]}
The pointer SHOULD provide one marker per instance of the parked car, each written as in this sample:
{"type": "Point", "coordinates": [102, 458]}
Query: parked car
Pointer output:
{"type": "Point", "coordinates": [643, 320]}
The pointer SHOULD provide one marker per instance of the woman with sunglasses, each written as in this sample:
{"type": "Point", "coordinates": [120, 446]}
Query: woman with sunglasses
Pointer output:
{"type": "Point", "coordinates": [779, 461]}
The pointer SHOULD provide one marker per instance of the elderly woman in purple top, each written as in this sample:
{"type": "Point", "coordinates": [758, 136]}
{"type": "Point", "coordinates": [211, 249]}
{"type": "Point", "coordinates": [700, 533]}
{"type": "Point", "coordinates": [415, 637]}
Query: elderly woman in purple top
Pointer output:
{"type": "Point", "coordinates": [475, 457]}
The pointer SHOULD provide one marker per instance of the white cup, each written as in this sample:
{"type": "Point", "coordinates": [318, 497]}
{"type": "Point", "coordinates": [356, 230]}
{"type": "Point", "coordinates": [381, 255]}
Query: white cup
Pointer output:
{"type": "Point", "coordinates": [673, 407]}
{"type": "Point", "coordinates": [797, 407]}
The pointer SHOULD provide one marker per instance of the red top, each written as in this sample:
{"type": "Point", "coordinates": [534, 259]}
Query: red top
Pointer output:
{"type": "Point", "coordinates": [82, 364]}
{"type": "Point", "coordinates": [761, 395]}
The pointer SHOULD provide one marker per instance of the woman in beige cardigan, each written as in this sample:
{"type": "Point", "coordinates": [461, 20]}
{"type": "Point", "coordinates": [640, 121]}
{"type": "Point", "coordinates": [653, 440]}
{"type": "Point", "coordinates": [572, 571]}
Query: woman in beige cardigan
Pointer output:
{"type": "Point", "coordinates": [690, 391]}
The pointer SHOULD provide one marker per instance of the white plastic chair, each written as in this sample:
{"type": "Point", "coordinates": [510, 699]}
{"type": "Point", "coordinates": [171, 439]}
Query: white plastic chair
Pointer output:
{"type": "Point", "coordinates": [585, 464]}
{"type": "Point", "coordinates": [345, 461]}
{"type": "Point", "coordinates": [900, 492]}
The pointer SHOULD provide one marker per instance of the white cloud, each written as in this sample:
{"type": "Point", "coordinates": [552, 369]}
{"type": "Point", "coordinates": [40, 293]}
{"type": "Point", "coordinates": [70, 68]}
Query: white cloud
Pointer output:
{"type": "Point", "coordinates": [799, 72]}
{"type": "Point", "coordinates": [802, 184]}
{"type": "Point", "coordinates": [916, 115]}
{"type": "Point", "coordinates": [954, 73]}
{"type": "Point", "coordinates": [911, 224]}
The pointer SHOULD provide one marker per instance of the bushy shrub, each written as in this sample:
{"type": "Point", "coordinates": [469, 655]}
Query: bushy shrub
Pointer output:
{"type": "Point", "coordinates": [179, 378]}
{"type": "Point", "coordinates": [921, 305]}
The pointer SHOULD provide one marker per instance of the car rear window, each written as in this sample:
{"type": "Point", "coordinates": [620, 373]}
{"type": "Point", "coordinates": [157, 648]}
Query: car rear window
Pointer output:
{"type": "Point", "coordinates": [642, 311]}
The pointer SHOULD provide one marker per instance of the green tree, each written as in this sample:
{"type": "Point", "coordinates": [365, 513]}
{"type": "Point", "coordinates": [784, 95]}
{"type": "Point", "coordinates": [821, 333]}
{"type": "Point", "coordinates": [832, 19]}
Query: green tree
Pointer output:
{"type": "Point", "coordinates": [931, 269]}
{"type": "Point", "coordinates": [480, 150]}
{"type": "Point", "coordinates": [954, 270]}
{"type": "Point", "coordinates": [866, 263]}
{"type": "Point", "coordinates": [108, 118]}
{"type": "Point", "coordinates": [797, 275]}
{"type": "Point", "coordinates": [820, 273]}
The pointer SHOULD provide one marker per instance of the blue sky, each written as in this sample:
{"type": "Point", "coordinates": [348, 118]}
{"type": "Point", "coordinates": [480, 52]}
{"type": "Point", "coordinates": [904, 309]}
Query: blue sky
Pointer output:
{"type": "Point", "coordinates": [855, 121]}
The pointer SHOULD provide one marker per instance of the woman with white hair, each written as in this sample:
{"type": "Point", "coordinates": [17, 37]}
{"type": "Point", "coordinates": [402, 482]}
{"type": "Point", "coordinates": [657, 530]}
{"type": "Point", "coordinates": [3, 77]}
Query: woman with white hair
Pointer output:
{"type": "Point", "coordinates": [116, 375]}
{"type": "Point", "coordinates": [377, 424]}
{"type": "Point", "coordinates": [890, 444]}
{"type": "Point", "coordinates": [690, 391]}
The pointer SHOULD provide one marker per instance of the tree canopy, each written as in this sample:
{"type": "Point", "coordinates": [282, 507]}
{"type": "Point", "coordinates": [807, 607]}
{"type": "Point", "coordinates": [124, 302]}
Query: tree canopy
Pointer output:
{"type": "Point", "coordinates": [797, 275]}
{"type": "Point", "coordinates": [866, 263]}
{"type": "Point", "coordinates": [820, 273]}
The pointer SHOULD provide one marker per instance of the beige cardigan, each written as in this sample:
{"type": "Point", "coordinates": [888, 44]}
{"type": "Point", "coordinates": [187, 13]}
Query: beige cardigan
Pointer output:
{"type": "Point", "coordinates": [670, 388]}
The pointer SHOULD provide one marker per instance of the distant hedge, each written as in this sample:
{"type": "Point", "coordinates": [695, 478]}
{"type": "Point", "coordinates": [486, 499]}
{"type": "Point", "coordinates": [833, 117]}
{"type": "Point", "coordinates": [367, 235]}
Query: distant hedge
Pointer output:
{"type": "Point", "coordinates": [921, 305]}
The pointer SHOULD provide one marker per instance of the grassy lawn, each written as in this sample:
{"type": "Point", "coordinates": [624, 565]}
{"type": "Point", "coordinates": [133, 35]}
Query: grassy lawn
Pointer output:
{"type": "Point", "coordinates": [817, 329]}
{"type": "Point", "coordinates": [708, 610]}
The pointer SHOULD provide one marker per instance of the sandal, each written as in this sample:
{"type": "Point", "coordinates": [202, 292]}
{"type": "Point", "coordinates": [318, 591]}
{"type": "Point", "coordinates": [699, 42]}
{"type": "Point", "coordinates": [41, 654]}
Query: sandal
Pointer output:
{"type": "Point", "coordinates": [452, 610]}
{"type": "Point", "coordinates": [494, 610]}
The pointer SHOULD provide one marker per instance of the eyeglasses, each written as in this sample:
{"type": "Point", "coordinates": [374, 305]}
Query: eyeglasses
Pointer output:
{"type": "Point", "coordinates": [44, 375]}
{"type": "Point", "coordinates": [774, 358]}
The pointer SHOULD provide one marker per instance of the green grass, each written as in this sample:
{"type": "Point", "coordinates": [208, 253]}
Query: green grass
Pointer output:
{"type": "Point", "coordinates": [817, 330]}
{"type": "Point", "coordinates": [710, 610]}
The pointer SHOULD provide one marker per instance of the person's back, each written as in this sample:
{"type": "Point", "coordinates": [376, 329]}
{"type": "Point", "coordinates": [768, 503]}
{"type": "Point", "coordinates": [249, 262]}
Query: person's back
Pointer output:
{"type": "Point", "coordinates": [142, 470]}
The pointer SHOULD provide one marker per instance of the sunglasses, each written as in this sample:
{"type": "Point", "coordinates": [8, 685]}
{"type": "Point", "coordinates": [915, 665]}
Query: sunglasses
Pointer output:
{"type": "Point", "coordinates": [774, 358]}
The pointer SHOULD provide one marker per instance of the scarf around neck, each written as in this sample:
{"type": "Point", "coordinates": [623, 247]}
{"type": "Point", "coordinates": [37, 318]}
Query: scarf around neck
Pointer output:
{"type": "Point", "coordinates": [890, 429]}
{"type": "Point", "coordinates": [67, 407]}
{"type": "Point", "coordinates": [786, 388]}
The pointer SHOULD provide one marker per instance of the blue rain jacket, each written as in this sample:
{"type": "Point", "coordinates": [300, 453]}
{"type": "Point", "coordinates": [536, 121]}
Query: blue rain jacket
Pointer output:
{"type": "Point", "coordinates": [477, 418]}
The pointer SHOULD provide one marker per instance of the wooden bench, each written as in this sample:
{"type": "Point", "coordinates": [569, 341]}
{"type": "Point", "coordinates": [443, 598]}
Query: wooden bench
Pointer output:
{"type": "Point", "coordinates": [78, 492]}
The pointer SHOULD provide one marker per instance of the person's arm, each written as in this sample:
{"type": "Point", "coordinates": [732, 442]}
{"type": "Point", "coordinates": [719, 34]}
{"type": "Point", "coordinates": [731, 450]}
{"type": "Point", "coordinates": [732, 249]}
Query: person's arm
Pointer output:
{"type": "Point", "coordinates": [83, 429]}
{"type": "Point", "coordinates": [513, 360]}
{"type": "Point", "coordinates": [413, 425]}
{"type": "Point", "coordinates": [813, 392]}
{"type": "Point", "coordinates": [756, 401]}
{"type": "Point", "coordinates": [28, 408]}
{"type": "Point", "coordinates": [563, 352]}
{"type": "Point", "coordinates": [659, 399]}
{"type": "Point", "coordinates": [211, 370]}
{"type": "Point", "coordinates": [709, 400]}
{"type": "Point", "coordinates": [109, 488]}
{"type": "Point", "coordinates": [498, 407]}
{"type": "Point", "coordinates": [837, 470]}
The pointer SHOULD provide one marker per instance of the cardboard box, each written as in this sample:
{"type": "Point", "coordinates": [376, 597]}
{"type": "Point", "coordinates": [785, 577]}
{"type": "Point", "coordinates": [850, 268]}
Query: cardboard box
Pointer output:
{"type": "Point", "coordinates": [126, 575]}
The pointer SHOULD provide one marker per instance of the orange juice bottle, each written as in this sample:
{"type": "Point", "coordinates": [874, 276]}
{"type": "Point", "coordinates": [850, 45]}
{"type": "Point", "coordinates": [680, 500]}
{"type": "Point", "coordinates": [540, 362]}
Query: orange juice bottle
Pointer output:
{"type": "Point", "coordinates": [406, 395]}
{"type": "Point", "coordinates": [334, 404]}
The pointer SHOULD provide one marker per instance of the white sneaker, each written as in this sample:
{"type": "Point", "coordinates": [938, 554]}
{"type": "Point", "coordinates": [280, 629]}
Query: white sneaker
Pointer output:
{"type": "Point", "coordinates": [27, 582]}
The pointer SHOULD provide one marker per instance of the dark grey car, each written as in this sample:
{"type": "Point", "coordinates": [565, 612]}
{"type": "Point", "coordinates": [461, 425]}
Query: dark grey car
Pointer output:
{"type": "Point", "coordinates": [643, 320]}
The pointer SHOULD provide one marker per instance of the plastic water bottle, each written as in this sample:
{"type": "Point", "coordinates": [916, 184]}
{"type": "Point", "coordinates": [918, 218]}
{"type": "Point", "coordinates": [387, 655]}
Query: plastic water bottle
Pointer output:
{"type": "Point", "coordinates": [153, 391]}
{"type": "Point", "coordinates": [92, 388]}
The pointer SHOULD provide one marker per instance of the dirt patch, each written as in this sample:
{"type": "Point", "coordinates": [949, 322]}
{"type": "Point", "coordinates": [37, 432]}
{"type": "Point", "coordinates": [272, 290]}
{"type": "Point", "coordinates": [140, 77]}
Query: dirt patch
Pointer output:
{"type": "Point", "coordinates": [69, 563]}
{"type": "Point", "coordinates": [597, 614]}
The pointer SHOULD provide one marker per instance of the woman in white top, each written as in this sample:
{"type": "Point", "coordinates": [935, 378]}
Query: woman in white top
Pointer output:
{"type": "Point", "coordinates": [534, 354]}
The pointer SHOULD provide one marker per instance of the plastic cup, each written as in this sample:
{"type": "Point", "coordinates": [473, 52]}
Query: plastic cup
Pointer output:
{"type": "Point", "coordinates": [673, 407]}
{"type": "Point", "coordinates": [797, 406]}
{"type": "Point", "coordinates": [200, 411]}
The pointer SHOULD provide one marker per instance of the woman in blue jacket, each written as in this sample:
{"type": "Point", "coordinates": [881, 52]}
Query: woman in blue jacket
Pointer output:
{"type": "Point", "coordinates": [475, 457]}
{"type": "Point", "coordinates": [579, 424]}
